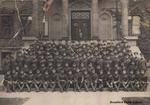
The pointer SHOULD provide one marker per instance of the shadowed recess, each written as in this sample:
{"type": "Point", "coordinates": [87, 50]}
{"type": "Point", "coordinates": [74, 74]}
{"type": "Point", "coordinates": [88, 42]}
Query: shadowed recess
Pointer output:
{"type": "Point", "coordinates": [13, 101]}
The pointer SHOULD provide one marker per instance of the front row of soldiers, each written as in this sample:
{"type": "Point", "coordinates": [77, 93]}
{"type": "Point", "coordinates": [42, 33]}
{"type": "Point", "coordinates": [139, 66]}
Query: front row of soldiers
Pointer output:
{"type": "Point", "coordinates": [66, 78]}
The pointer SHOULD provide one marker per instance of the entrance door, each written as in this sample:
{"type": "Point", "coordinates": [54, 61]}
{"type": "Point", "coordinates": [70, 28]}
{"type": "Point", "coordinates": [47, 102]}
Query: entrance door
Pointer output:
{"type": "Point", "coordinates": [80, 25]}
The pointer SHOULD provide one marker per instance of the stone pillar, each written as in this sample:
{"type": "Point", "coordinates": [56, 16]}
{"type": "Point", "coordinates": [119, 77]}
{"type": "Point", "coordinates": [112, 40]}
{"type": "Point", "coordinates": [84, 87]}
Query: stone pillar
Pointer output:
{"type": "Point", "coordinates": [0, 61]}
{"type": "Point", "coordinates": [35, 21]}
{"type": "Point", "coordinates": [124, 7]}
{"type": "Point", "coordinates": [65, 6]}
{"type": "Point", "coordinates": [94, 17]}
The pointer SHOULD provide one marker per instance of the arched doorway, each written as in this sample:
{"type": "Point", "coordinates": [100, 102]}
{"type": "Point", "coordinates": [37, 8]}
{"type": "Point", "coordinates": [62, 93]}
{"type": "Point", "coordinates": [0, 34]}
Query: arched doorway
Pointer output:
{"type": "Point", "coordinates": [105, 26]}
{"type": "Point", "coordinates": [80, 16]}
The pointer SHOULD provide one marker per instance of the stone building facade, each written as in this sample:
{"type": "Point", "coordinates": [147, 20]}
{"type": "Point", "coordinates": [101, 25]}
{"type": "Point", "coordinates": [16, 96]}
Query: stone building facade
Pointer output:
{"type": "Point", "coordinates": [71, 19]}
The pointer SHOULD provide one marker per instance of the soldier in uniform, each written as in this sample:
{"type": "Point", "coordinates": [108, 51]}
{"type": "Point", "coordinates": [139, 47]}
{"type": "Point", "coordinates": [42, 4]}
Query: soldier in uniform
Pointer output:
{"type": "Point", "coordinates": [15, 82]}
{"type": "Point", "coordinates": [132, 70]}
{"type": "Point", "coordinates": [78, 79]}
{"type": "Point", "coordinates": [93, 80]}
{"type": "Point", "coordinates": [117, 81]}
{"type": "Point", "coordinates": [109, 81]}
{"type": "Point", "coordinates": [8, 81]}
{"type": "Point", "coordinates": [46, 80]}
{"type": "Point", "coordinates": [62, 80]}
{"type": "Point", "coordinates": [70, 80]}
{"type": "Point", "coordinates": [100, 74]}
{"type": "Point", "coordinates": [143, 83]}
{"type": "Point", "coordinates": [23, 81]}
{"type": "Point", "coordinates": [38, 78]}
{"type": "Point", "coordinates": [53, 79]}
{"type": "Point", "coordinates": [30, 81]}
{"type": "Point", "coordinates": [125, 80]}
{"type": "Point", "coordinates": [86, 81]}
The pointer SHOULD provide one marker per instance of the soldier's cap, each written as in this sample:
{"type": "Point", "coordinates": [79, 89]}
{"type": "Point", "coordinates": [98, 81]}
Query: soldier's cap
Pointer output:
{"type": "Point", "coordinates": [116, 72]}
{"type": "Point", "coordinates": [30, 71]}
{"type": "Point", "coordinates": [46, 72]}
{"type": "Point", "coordinates": [74, 64]}
{"type": "Point", "coordinates": [77, 70]}
{"type": "Point", "coordinates": [70, 72]}
{"type": "Point", "coordinates": [38, 71]}
{"type": "Point", "coordinates": [142, 71]}
{"type": "Point", "coordinates": [8, 72]}
{"type": "Point", "coordinates": [98, 66]}
{"type": "Point", "coordinates": [85, 72]}
{"type": "Point", "coordinates": [53, 70]}
{"type": "Point", "coordinates": [66, 64]}
{"type": "Point", "coordinates": [132, 62]}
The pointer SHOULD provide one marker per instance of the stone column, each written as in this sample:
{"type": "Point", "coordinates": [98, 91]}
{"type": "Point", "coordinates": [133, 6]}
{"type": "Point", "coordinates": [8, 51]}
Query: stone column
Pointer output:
{"type": "Point", "coordinates": [0, 61]}
{"type": "Point", "coordinates": [94, 17]}
{"type": "Point", "coordinates": [65, 6]}
{"type": "Point", "coordinates": [124, 7]}
{"type": "Point", "coordinates": [35, 22]}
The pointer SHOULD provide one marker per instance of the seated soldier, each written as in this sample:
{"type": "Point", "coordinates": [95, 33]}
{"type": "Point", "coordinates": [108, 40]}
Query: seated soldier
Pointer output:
{"type": "Point", "coordinates": [23, 77]}
{"type": "Point", "coordinates": [78, 79]}
{"type": "Point", "coordinates": [46, 80]}
{"type": "Point", "coordinates": [109, 81]}
{"type": "Point", "coordinates": [125, 80]}
{"type": "Point", "coordinates": [38, 80]}
{"type": "Point", "coordinates": [70, 80]}
{"type": "Point", "coordinates": [86, 81]}
{"type": "Point", "coordinates": [100, 73]}
{"type": "Point", "coordinates": [143, 83]}
{"type": "Point", "coordinates": [30, 80]}
{"type": "Point", "coordinates": [132, 80]}
{"type": "Point", "coordinates": [137, 86]}
{"type": "Point", "coordinates": [8, 81]}
{"type": "Point", "coordinates": [15, 82]}
{"type": "Point", "coordinates": [53, 79]}
{"type": "Point", "coordinates": [62, 80]}
{"type": "Point", "coordinates": [117, 81]}
{"type": "Point", "coordinates": [93, 80]}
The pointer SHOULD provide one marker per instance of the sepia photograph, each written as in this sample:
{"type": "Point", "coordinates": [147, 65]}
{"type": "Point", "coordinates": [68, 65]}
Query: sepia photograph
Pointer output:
{"type": "Point", "coordinates": [74, 52]}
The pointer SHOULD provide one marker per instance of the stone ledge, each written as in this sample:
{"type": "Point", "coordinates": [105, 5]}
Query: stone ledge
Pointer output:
{"type": "Point", "coordinates": [29, 38]}
{"type": "Point", "coordinates": [132, 40]}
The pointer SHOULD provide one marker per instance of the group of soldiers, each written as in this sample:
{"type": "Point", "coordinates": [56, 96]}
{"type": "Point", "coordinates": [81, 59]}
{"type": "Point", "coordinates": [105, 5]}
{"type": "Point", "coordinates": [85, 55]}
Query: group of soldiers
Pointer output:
{"type": "Point", "coordinates": [76, 66]}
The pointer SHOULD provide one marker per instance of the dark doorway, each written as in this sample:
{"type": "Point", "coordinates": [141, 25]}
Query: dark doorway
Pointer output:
{"type": "Point", "coordinates": [80, 25]}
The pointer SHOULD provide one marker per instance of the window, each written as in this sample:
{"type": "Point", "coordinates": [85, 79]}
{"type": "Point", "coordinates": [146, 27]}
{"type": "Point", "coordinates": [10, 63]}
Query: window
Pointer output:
{"type": "Point", "coordinates": [6, 26]}
{"type": "Point", "coordinates": [134, 25]}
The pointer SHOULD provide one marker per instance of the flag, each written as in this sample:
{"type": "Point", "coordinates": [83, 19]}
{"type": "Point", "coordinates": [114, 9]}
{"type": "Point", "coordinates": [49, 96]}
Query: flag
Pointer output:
{"type": "Point", "coordinates": [47, 5]}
